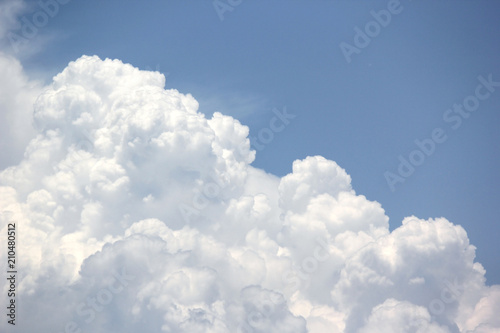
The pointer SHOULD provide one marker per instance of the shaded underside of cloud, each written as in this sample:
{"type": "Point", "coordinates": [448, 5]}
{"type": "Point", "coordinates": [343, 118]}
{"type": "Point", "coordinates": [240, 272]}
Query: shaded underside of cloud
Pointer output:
{"type": "Point", "coordinates": [136, 212]}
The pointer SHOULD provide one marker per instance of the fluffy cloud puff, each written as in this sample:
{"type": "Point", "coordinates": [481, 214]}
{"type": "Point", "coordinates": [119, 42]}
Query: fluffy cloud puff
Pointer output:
{"type": "Point", "coordinates": [137, 213]}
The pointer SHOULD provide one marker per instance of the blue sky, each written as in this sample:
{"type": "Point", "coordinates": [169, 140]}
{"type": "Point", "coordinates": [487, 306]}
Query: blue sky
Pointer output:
{"type": "Point", "coordinates": [267, 55]}
{"type": "Point", "coordinates": [126, 209]}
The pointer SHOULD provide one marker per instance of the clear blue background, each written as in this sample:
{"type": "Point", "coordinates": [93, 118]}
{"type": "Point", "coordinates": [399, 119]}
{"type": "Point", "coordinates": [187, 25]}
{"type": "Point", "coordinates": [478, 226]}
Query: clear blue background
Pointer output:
{"type": "Point", "coordinates": [363, 115]}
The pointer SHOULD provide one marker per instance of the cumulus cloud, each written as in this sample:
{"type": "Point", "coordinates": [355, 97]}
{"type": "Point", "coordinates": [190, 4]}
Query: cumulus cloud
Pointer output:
{"type": "Point", "coordinates": [17, 96]}
{"type": "Point", "coordinates": [135, 212]}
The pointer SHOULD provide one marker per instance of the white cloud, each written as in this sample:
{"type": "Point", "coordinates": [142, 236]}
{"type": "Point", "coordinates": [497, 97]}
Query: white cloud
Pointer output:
{"type": "Point", "coordinates": [393, 317]}
{"type": "Point", "coordinates": [136, 212]}
{"type": "Point", "coordinates": [17, 95]}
